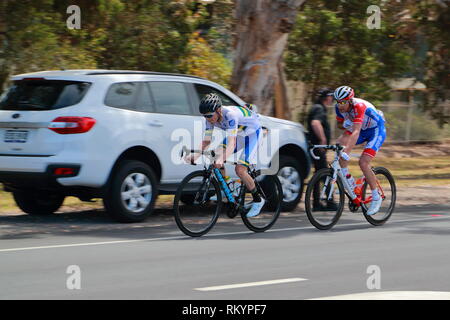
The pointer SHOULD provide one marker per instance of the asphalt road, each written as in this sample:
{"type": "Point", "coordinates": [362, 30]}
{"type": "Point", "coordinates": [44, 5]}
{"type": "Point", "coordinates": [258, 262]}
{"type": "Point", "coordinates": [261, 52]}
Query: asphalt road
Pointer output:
{"type": "Point", "coordinates": [83, 255]}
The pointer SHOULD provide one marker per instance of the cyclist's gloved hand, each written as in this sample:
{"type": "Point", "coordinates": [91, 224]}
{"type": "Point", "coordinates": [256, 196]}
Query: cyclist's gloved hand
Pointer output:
{"type": "Point", "coordinates": [345, 156]}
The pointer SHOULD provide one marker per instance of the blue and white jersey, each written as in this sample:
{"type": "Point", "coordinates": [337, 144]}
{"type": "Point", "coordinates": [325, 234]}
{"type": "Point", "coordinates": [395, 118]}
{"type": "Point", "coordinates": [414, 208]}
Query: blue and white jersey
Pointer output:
{"type": "Point", "coordinates": [235, 121]}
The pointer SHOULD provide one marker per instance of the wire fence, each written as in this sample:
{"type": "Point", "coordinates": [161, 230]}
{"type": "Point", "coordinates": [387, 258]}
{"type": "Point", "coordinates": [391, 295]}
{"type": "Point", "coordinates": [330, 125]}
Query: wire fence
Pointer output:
{"type": "Point", "coordinates": [405, 123]}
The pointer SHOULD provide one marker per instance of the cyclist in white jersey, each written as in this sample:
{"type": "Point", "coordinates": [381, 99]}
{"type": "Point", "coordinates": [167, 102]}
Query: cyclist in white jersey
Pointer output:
{"type": "Point", "coordinates": [243, 132]}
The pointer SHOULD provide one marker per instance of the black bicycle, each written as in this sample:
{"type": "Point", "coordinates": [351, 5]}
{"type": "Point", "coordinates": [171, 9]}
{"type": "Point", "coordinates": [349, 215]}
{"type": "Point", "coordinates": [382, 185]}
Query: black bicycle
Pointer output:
{"type": "Point", "coordinates": [196, 213]}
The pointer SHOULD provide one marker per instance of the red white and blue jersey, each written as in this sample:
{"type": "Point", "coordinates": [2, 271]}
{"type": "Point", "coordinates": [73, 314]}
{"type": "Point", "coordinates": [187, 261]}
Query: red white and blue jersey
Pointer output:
{"type": "Point", "coordinates": [362, 112]}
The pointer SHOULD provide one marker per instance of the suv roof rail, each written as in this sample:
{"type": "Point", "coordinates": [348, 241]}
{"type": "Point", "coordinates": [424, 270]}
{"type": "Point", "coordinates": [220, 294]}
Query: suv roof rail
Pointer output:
{"type": "Point", "coordinates": [93, 73]}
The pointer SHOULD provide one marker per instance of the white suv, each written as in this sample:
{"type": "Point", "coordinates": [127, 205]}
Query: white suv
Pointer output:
{"type": "Point", "coordinates": [110, 134]}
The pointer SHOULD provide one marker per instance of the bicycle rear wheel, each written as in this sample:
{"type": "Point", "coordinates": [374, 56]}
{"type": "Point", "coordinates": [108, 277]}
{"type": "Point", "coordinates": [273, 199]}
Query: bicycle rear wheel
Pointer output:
{"type": "Point", "coordinates": [324, 199]}
{"type": "Point", "coordinates": [270, 189]}
{"type": "Point", "coordinates": [197, 216]}
{"type": "Point", "coordinates": [387, 190]}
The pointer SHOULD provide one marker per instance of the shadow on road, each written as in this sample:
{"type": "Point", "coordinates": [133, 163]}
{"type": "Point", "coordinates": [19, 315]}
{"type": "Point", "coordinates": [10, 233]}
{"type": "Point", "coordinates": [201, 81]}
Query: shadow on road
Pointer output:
{"type": "Point", "coordinates": [96, 223]}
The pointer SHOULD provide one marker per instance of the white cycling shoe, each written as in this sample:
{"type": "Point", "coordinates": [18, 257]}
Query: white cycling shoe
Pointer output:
{"type": "Point", "coordinates": [256, 208]}
{"type": "Point", "coordinates": [374, 206]}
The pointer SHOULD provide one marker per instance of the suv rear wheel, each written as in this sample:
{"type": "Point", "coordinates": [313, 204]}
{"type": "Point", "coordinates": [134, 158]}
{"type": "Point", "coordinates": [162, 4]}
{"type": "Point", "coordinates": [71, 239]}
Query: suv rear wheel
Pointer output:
{"type": "Point", "coordinates": [132, 192]}
{"type": "Point", "coordinates": [35, 202]}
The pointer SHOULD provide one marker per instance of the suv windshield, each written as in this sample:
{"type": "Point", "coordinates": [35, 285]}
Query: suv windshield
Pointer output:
{"type": "Point", "coordinates": [43, 94]}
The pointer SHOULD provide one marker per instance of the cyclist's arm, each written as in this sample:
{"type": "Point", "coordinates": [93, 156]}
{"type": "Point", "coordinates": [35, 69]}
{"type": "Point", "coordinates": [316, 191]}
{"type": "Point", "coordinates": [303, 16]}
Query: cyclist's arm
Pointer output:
{"type": "Point", "coordinates": [224, 151]}
{"type": "Point", "coordinates": [232, 130]}
{"type": "Point", "coordinates": [205, 143]}
{"type": "Point", "coordinates": [353, 137]}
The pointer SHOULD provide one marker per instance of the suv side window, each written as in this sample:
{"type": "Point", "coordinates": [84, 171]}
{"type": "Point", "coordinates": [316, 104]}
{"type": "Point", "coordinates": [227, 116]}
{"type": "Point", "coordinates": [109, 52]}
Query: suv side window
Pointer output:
{"type": "Point", "coordinates": [170, 97]}
{"type": "Point", "coordinates": [130, 96]}
{"type": "Point", "coordinates": [203, 90]}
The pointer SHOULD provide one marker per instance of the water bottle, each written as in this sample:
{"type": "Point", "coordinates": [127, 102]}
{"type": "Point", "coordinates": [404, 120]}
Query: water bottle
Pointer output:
{"type": "Point", "coordinates": [236, 186]}
{"type": "Point", "coordinates": [229, 182]}
{"type": "Point", "coordinates": [350, 181]}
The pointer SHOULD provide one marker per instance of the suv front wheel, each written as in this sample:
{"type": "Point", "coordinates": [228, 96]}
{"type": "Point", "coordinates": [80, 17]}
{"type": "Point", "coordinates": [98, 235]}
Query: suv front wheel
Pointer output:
{"type": "Point", "coordinates": [132, 192]}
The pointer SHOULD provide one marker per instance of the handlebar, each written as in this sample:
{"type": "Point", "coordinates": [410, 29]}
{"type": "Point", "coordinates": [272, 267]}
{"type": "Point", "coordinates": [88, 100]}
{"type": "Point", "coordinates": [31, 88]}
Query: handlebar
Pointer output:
{"type": "Point", "coordinates": [335, 147]}
{"type": "Point", "coordinates": [209, 153]}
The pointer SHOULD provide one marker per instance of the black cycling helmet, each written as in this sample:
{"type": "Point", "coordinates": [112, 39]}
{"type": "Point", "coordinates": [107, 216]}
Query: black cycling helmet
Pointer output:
{"type": "Point", "coordinates": [210, 103]}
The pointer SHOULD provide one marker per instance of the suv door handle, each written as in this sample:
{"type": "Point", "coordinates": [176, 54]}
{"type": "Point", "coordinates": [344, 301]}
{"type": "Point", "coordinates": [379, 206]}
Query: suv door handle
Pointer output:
{"type": "Point", "coordinates": [155, 123]}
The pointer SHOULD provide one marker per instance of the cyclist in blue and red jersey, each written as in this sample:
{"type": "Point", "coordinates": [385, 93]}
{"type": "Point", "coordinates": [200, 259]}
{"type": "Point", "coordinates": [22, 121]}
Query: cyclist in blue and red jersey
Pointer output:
{"type": "Point", "coordinates": [363, 123]}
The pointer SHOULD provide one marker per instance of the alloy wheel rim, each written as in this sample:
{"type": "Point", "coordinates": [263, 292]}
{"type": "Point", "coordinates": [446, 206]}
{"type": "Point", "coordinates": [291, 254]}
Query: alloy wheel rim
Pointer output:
{"type": "Point", "coordinates": [136, 192]}
{"type": "Point", "coordinates": [290, 182]}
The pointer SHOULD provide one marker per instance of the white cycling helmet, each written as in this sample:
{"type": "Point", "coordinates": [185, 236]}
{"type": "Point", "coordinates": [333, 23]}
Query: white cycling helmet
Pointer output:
{"type": "Point", "coordinates": [344, 93]}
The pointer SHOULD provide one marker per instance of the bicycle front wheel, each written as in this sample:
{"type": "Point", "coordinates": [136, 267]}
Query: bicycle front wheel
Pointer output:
{"type": "Point", "coordinates": [270, 189]}
{"type": "Point", "coordinates": [388, 191]}
{"type": "Point", "coordinates": [324, 199]}
{"type": "Point", "coordinates": [198, 215]}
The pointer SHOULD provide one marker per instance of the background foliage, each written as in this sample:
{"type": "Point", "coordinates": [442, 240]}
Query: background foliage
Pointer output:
{"type": "Point", "coordinates": [330, 44]}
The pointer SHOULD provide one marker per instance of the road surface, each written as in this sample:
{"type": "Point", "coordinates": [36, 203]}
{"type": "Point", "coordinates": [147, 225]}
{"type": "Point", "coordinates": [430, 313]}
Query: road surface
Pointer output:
{"type": "Point", "coordinates": [83, 255]}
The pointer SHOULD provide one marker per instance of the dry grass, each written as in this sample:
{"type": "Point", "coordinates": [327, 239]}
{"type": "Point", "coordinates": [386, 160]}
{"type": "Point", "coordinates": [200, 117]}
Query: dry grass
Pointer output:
{"type": "Point", "coordinates": [416, 168]}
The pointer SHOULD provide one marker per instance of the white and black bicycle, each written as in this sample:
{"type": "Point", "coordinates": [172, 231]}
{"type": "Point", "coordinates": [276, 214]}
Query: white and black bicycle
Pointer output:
{"type": "Point", "coordinates": [329, 186]}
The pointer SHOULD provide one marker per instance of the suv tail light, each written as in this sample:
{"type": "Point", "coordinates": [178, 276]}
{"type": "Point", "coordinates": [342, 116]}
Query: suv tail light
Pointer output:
{"type": "Point", "coordinates": [64, 171]}
{"type": "Point", "coordinates": [71, 125]}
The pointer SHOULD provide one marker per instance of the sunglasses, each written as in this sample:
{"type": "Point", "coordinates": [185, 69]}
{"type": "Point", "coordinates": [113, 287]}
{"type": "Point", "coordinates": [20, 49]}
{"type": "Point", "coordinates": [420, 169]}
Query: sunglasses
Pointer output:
{"type": "Point", "coordinates": [342, 102]}
{"type": "Point", "coordinates": [208, 116]}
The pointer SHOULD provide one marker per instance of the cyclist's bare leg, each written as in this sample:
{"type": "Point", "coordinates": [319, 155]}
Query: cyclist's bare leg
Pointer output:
{"type": "Point", "coordinates": [364, 164]}
{"type": "Point", "coordinates": [242, 173]}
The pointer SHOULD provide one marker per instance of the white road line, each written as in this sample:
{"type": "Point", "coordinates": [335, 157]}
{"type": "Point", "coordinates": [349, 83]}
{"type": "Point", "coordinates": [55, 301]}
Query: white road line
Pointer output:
{"type": "Point", "coordinates": [208, 235]}
{"type": "Point", "coordinates": [250, 284]}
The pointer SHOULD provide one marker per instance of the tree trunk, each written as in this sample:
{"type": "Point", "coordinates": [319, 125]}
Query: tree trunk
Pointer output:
{"type": "Point", "coordinates": [262, 30]}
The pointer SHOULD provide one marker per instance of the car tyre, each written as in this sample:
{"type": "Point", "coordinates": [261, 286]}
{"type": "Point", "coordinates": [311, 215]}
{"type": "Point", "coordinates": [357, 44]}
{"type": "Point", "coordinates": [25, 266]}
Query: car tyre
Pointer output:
{"type": "Point", "coordinates": [292, 181]}
{"type": "Point", "coordinates": [36, 202]}
{"type": "Point", "coordinates": [132, 192]}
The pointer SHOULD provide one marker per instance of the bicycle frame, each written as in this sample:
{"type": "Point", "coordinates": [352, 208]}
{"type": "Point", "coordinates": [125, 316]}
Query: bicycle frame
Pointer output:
{"type": "Point", "coordinates": [218, 174]}
{"type": "Point", "coordinates": [224, 185]}
{"type": "Point", "coordinates": [210, 169]}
